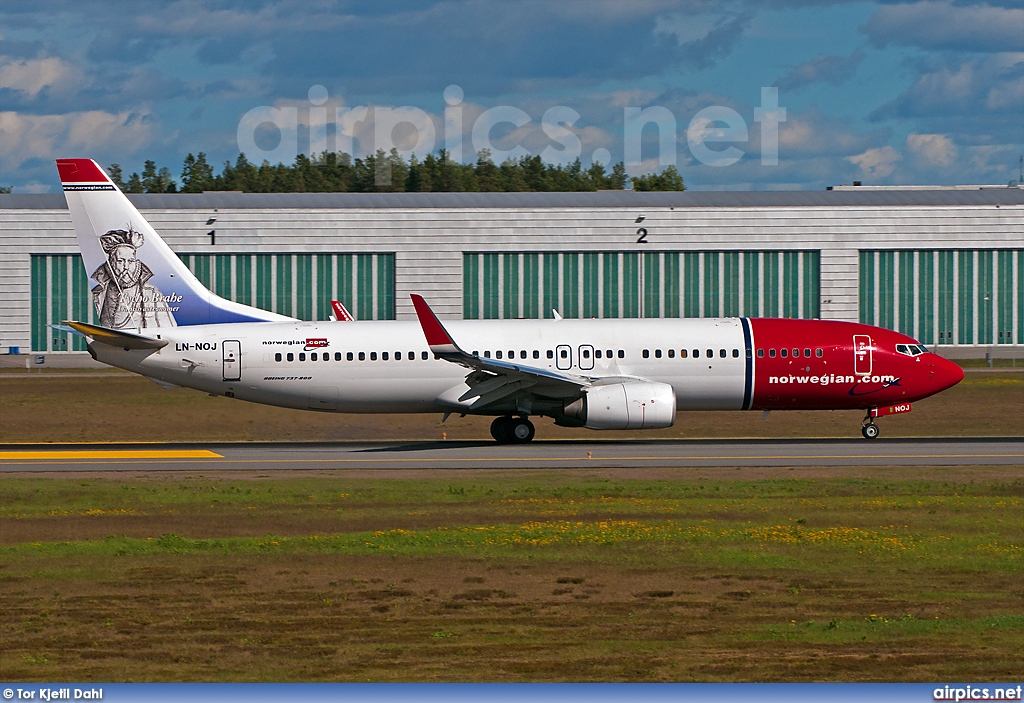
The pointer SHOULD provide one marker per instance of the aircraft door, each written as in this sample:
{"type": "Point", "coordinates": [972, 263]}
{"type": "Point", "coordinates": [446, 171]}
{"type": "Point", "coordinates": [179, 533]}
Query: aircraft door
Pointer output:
{"type": "Point", "coordinates": [232, 350]}
{"type": "Point", "coordinates": [586, 357]}
{"type": "Point", "coordinates": [862, 354]}
{"type": "Point", "coordinates": [563, 357]}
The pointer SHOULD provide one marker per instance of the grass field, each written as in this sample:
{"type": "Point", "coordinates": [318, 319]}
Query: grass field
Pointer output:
{"type": "Point", "coordinates": [115, 409]}
{"type": "Point", "coordinates": [759, 574]}
{"type": "Point", "coordinates": [893, 574]}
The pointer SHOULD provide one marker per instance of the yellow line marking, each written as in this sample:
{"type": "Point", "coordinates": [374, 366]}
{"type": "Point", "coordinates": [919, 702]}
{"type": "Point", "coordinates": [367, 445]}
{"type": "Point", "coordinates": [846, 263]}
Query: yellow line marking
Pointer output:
{"type": "Point", "coordinates": [114, 454]}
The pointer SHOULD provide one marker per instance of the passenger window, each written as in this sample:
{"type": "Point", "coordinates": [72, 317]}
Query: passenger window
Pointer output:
{"type": "Point", "coordinates": [291, 357]}
{"type": "Point", "coordinates": [818, 352]}
{"type": "Point", "coordinates": [771, 353]}
{"type": "Point", "coordinates": [349, 356]}
{"type": "Point", "coordinates": [337, 356]}
{"type": "Point", "coordinates": [646, 354]}
{"type": "Point", "coordinates": [398, 356]}
{"type": "Point", "coordinates": [302, 356]}
{"type": "Point", "coordinates": [498, 354]}
{"type": "Point", "coordinates": [522, 354]}
{"type": "Point", "coordinates": [313, 357]}
{"type": "Point", "coordinates": [362, 356]}
{"type": "Point", "coordinates": [784, 353]}
{"type": "Point", "coordinates": [796, 353]}
{"type": "Point", "coordinates": [760, 353]}
{"type": "Point", "coordinates": [622, 353]}
{"type": "Point", "coordinates": [326, 357]}
{"type": "Point", "coordinates": [551, 354]}
{"type": "Point", "coordinates": [721, 353]}
{"type": "Point", "coordinates": [610, 354]}
{"type": "Point", "coordinates": [383, 356]}
{"type": "Point", "coordinates": [373, 356]}
{"type": "Point", "coordinates": [657, 353]}
{"type": "Point", "coordinates": [735, 353]}
{"type": "Point", "coordinates": [597, 353]}
{"type": "Point", "coordinates": [682, 353]}
{"type": "Point", "coordinates": [424, 355]}
{"type": "Point", "coordinates": [711, 353]}
{"type": "Point", "coordinates": [807, 353]}
{"type": "Point", "coordinates": [671, 353]}
{"type": "Point", "coordinates": [696, 353]}
{"type": "Point", "coordinates": [536, 354]}
{"type": "Point", "coordinates": [487, 354]}
{"type": "Point", "coordinates": [277, 357]}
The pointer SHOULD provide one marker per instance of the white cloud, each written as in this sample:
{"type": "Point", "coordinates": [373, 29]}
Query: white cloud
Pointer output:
{"type": "Point", "coordinates": [944, 25]}
{"type": "Point", "coordinates": [31, 76]}
{"type": "Point", "coordinates": [53, 136]}
{"type": "Point", "coordinates": [34, 187]}
{"type": "Point", "coordinates": [815, 134]}
{"type": "Point", "coordinates": [878, 162]}
{"type": "Point", "coordinates": [935, 149]}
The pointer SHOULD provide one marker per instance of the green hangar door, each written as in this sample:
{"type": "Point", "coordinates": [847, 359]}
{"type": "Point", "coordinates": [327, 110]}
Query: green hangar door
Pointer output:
{"type": "Point", "coordinates": [298, 285]}
{"type": "Point", "coordinates": [945, 296]}
{"type": "Point", "coordinates": [504, 285]}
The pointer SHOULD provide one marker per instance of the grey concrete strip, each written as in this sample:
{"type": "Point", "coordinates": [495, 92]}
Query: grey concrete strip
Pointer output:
{"type": "Point", "coordinates": [538, 455]}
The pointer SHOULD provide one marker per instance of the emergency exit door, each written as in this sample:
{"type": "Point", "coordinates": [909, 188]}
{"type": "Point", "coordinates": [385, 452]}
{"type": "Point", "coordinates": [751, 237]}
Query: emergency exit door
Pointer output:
{"type": "Point", "coordinates": [232, 349]}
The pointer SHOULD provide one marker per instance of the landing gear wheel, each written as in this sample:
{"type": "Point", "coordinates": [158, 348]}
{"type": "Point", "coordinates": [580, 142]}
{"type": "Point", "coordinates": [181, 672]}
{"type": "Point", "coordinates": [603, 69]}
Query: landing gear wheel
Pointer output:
{"type": "Point", "coordinates": [870, 430]}
{"type": "Point", "coordinates": [501, 430]}
{"type": "Point", "coordinates": [512, 430]}
{"type": "Point", "coordinates": [522, 430]}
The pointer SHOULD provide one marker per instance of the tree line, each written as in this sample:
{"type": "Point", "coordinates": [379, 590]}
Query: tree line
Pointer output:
{"type": "Point", "coordinates": [333, 172]}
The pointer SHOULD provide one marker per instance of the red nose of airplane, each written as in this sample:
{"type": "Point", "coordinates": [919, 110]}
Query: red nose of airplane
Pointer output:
{"type": "Point", "coordinates": [945, 374]}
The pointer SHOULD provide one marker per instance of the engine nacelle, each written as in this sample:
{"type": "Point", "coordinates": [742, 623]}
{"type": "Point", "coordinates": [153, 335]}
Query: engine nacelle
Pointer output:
{"type": "Point", "coordinates": [638, 405]}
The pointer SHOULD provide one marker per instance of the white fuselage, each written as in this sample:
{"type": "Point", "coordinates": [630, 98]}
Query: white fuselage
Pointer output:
{"type": "Point", "coordinates": [379, 367]}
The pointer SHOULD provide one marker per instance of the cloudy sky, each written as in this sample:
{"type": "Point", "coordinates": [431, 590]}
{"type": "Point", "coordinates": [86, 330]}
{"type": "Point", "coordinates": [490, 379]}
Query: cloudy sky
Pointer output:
{"type": "Point", "coordinates": [888, 93]}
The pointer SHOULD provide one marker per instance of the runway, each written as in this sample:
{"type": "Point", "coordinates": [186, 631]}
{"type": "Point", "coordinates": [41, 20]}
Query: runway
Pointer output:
{"type": "Point", "coordinates": [420, 455]}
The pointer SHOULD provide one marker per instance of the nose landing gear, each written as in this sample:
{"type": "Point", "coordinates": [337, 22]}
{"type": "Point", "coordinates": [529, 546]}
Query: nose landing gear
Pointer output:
{"type": "Point", "coordinates": [512, 430]}
{"type": "Point", "coordinates": [868, 427]}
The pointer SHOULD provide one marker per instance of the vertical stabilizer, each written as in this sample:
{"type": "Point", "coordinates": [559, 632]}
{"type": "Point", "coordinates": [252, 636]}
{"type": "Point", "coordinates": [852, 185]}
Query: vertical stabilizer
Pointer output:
{"type": "Point", "coordinates": [137, 281]}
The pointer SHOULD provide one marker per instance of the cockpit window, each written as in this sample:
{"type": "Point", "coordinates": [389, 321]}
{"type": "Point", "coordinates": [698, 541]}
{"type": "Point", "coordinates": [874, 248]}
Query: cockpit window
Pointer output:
{"type": "Point", "coordinates": [911, 349]}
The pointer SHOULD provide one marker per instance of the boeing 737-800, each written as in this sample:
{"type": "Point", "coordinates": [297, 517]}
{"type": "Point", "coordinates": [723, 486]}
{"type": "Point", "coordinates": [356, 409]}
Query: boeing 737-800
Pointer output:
{"type": "Point", "coordinates": [156, 319]}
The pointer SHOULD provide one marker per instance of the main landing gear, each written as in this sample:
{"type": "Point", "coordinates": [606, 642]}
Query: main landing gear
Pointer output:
{"type": "Point", "coordinates": [868, 427]}
{"type": "Point", "coordinates": [512, 430]}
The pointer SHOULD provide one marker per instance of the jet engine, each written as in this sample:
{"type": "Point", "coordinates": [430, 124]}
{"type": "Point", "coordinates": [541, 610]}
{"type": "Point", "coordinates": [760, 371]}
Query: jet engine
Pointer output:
{"type": "Point", "coordinates": [637, 405]}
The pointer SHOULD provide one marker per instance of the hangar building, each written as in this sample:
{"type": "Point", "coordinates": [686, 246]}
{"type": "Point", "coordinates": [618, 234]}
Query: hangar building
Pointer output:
{"type": "Point", "coordinates": [944, 265]}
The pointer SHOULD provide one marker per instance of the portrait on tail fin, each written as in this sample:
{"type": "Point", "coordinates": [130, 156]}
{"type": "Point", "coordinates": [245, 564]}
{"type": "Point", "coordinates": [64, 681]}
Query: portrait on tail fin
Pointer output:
{"type": "Point", "coordinates": [123, 295]}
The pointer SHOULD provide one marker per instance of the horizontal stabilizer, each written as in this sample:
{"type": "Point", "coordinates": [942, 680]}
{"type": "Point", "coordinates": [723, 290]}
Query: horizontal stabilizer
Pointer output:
{"type": "Point", "coordinates": [116, 338]}
{"type": "Point", "coordinates": [64, 328]}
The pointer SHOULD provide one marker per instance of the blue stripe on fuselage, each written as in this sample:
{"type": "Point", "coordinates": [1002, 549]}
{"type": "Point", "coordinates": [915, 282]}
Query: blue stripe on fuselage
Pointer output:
{"type": "Point", "coordinates": [748, 375]}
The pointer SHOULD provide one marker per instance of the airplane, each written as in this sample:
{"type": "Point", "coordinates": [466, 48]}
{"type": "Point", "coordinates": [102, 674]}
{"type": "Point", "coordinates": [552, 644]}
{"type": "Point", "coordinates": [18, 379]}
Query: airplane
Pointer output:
{"type": "Point", "coordinates": [156, 319]}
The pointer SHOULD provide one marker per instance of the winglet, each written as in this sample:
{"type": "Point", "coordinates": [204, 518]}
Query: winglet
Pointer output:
{"type": "Point", "coordinates": [438, 339]}
{"type": "Point", "coordinates": [341, 314]}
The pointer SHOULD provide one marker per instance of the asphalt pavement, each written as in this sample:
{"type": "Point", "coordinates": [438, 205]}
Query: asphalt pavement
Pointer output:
{"type": "Point", "coordinates": [392, 455]}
